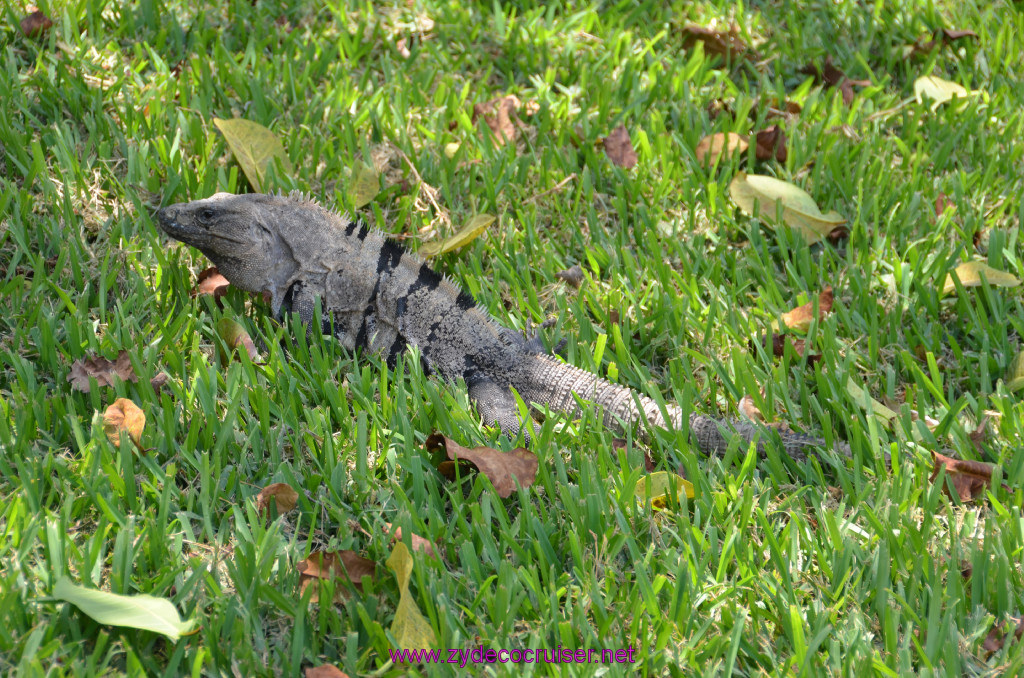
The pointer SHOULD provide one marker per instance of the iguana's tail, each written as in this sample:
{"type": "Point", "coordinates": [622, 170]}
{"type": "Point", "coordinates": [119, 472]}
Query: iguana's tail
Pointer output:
{"type": "Point", "coordinates": [558, 385]}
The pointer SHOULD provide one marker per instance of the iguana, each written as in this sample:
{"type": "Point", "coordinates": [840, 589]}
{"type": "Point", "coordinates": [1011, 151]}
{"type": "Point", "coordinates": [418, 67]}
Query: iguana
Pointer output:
{"type": "Point", "coordinates": [374, 294]}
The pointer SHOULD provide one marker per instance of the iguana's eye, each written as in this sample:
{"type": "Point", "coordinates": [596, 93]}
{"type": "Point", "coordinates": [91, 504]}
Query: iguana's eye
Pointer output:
{"type": "Point", "coordinates": [206, 215]}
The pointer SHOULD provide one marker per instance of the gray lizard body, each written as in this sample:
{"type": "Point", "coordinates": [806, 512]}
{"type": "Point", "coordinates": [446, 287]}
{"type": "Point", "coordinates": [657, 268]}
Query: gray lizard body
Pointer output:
{"type": "Point", "coordinates": [374, 294]}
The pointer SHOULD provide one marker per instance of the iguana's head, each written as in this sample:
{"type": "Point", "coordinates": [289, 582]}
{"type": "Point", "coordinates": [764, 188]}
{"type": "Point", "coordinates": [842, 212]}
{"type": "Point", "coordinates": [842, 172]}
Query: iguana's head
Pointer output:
{"type": "Point", "coordinates": [239, 234]}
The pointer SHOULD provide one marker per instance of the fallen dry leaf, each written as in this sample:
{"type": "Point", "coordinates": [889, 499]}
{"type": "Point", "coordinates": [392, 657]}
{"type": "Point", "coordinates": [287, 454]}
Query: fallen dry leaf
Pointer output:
{"type": "Point", "coordinates": [800, 317]}
{"type": "Point", "coordinates": [470, 231]}
{"type": "Point", "coordinates": [831, 76]}
{"type": "Point", "coordinates": [714, 146]}
{"type": "Point", "coordinates": [210, 281]}
{"type": "Point", "coordinates": [410, 628]}
{"type": "Point", "coordinates": [970, 478]}
{"type": "Point", "coordinates": [943, 203]}
{"type": "Point", "coordinates": [941, 38]}
{"type": "Point", "coordinates": [572, 276]}
{"type": "Point", "coordinates": [771, 143]}
{"type": "Point", "coordinates": [285, 498]}
{"type": "Point", "coordinates": [124, 415]}
{"type": "Point", "coordinates": [255, 148]}
{"type": "Point", "coordinates": [779, 342]}
{"type": "Point", "coordinates": [35, 24]}
{"type": "Point", "coordinates": [234, 337]}
{"type": "Point", "coordinates": [323, 565]}
{"type": "Point", "coordinates": [970, 274]}
{"type": "Point", "coordinates": [501, 468]}
{"type": "Point", "coordinates": [499, 115]}
{"type": "Point", "coordinates": [619, 148]}
{"type": "Point", "coordinates": [158, 381]}
{"type": "Point", "coordinates": [749, 410]}
{"type": "Point", "coordinates": [324, 671]}
{"type": "Point", "coordinates": [724, 43]}
{"type": "Point", "coordinates": [418, 543]}
{"type": "Point", "coordinates": [766, 197]}
{"type": "Point", "coordinates": [102, 370]}
{"type": "Point", "coordinates": [997, 636]}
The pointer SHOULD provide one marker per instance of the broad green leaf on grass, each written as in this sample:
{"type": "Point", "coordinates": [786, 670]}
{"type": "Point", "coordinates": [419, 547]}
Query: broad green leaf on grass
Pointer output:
{"type": "Point", "coordinates": [364, 184]}
{"type": "Point", "coordinates": [970, 273]}
{"type": "Point", "coordinates": [234, 336]}
{"type": "Point", "coordinates": [657, 486]}
{"type": "Point", "coordinates": [474, 227]}
{"type": "Point", "coordinates": [884, 414]}
{"type": "Point", "coordinates": [410, 628]}
{"type": "Point", "coordinates": [136, 612]}
{"type": "Point", "coordinates": [1016, 375]}
{"type": "Point", "coordinates": [124, 415]}
{"type": "Point", "coordinates": [255, 147]}
{"type": "Point", "coordinates": [765, 197]}
{"type": "Point", "coordinates": [940, 91]}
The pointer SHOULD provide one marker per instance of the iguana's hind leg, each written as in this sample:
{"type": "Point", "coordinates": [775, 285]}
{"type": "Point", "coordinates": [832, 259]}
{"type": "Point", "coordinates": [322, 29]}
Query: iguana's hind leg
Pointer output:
{"type": "Point", "coordinates": [497, 405]}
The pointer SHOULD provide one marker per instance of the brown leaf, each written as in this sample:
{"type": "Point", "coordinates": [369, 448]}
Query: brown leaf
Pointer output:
{"type": "Point", "coordinates": [210, 281]}
{"type": "Point", "coordinates": [333, 564]}
{"type": "Point", "coordinates": [838, 233]}
{"type": "Point", "coordinates": [124, 415]}
{"type": "Point", "coordinates": [418, 543]}
{"type": "Point", "coordinates": [499, 114]}
{"type": "Point", "coordinates": [714, 146]}
{"type": "Point", "coordinates": [969, 478]}
{"type": "Point", "coordinates": [723, 43]}
{"type": "Point", "coordinates": [831, 76]}
{"type": "Point", "coordinates": [996, 636]}
{"type": "Point", "coordinates": [499, 467]}
{"type": "Point", "coordinates": [572, 276]}
{"type": "Point", "coordinates": [36, 24]}
{"type": "Point", "coordinates": [800, 317]}
{"type": "Point", "coordinates": [285, 498]}
{"type": "Point", "coordinates": [102, 370]}
{"type": "Point", "coordinates": [324, 671]}
{"type": "Point", "coordinates": [771, 143]}
{"type": "Point", "coordinates": [158, 381]}
{"type": "Point", "coordinates": [943, 203]}
{"type": "Point", "coordinates": [749, 410]}
{"type": "Point", "coordinates": [941, 38]}
{"type": "Point", "coordinates": [799, 346]}
{"type": "Point", "coordinates": [619, 148]}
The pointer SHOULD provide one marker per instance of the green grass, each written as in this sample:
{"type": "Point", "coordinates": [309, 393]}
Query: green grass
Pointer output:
{"type": "Point", "coordinates": [774, 568]}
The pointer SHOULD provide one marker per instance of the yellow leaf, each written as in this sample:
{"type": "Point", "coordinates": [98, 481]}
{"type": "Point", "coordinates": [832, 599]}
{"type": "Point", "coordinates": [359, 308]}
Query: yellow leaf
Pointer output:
{"type": "Point", "coordinates": [939, 91]}
{"type": "Point", "coordinates": [234, 336]}
{"type": "Point", "coordinates": [712, 147]}
{"type": "Point", "coordinates": [884, 414]}
{"type": "Point", "coordinates": [254, 147]}
{"type": "Point", "coordinates": [124, 415]}
{"type": "Point", "coordinates": [657, 487]}
{"type": "Point", "coordinates": [465, 235]}
{"type": "Point", "coordinates": [970, 273]}
{"type": "Point", "coordinates": [1016, 375]}
{"type": "Point", "coordinates": [451, 149]}
{"type": "Point", "coordinates": [761, 196]}
{"type": "Point", "coordinates": [410, 628]}
{"type": "Point", "coordinates": [363, 186]}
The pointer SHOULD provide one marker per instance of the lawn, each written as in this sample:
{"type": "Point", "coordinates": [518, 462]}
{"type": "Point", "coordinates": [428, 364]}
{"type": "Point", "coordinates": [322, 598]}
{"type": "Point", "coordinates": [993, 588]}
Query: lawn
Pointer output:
{"type": "Point", "coordinates": [831, 566]}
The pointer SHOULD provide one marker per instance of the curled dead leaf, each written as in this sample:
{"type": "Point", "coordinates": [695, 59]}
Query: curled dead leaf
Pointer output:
{"type": "Point", "coordinates": [714, 146]}
{"type": "Point", "coordinates": [724, 43]}
{"type": "Point", "coordinates": [102, 370]}
{"type": "Point", "coordinates": [284, 497]}
{"type": "Point", "coordinates": [800, 317]}
{"type": "Point", "coordinates": [418, 543]}
{"type": "Point", "coordinates": [996, 637]}
{"type": "Point", "coordinates": [210, 281]}
{"type": "Point", "coordinates": [124, 415]}
{"type": "Point", "coordinates": [503, 469]}
{"type": "Point", "coordinates": [771, 143]}
{"type": "Point", "coordinates": [619, 148]}
{"type": "Point", "coordinates": [324, 671]}
{"type": "Point", "coordinates": [970, 478]}
{"type": "Point", "coordinates": [234, 337]}
{"type": "Point", "coordinates": [325, 565]}
{"type": "Point", "coordinates": [767, 198]}
{"type": "Point", "coordinates": [35, 24]}
{"type": "Point", "coordinates": [500, 116]}
{"type": "Point", "coordinates": [572, 276]}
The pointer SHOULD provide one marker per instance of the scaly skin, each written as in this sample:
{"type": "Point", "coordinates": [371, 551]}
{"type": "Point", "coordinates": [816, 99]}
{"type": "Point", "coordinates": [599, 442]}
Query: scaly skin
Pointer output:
{"type": "Point", "coordinates": [375, 295]}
